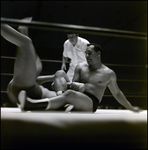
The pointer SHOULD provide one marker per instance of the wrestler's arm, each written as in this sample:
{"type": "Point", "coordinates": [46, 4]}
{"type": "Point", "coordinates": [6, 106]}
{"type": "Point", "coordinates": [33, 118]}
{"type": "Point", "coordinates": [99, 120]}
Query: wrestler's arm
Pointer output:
{"type": "Point", "coordinates": [76, 77]}
{"type": "Point", "coordinates": [46, 78]}
{"type": "Point", "coordinates": [119, 96]}
{"type": "Point", "coordinates": [76, 85]}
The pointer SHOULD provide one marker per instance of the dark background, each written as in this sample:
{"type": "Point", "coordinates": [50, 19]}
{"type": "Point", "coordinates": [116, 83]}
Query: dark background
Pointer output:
{"type": "Point", "coordinates": [126, 56]}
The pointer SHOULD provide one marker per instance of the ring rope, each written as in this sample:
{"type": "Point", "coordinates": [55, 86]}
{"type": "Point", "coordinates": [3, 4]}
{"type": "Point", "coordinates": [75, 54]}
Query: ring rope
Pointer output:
{"type": "Point", "coordinates": [77, 28]}
{"type": "Point", "coordinates": [59, 61]}
{"type": "Point", "coordinates": [125, 80]}
{"type": "Point", "coordinates": [6, 74]}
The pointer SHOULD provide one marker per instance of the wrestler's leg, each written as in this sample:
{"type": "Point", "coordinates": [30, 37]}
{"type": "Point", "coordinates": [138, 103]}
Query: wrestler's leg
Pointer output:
{"type": "Point", "coordinates": [80, 101]}
{"type": "Point", "coordinates": [24, 29]}
{"type": "Point", "coordinates": [60, 82]}
{"type": "Point", "coordinates": [25, 68]}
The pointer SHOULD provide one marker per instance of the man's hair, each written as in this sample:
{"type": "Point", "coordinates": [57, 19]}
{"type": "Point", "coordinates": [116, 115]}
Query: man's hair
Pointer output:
{"type": "Point", "coordinates": [72, 32]}
{"type": "Point", "coordinates": [97, 47]}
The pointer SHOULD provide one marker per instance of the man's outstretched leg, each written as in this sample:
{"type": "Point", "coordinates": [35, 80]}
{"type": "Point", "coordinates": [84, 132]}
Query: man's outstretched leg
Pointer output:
{"type": "Point", "coordinates": [80, 101]}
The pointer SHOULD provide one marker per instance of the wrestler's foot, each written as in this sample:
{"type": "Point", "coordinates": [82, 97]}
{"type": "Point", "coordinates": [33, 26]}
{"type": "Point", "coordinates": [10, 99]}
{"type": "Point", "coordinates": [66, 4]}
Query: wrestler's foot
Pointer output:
{"type": "Point", "coordinates": [22, 97]}
{"type": "Point", "coordinates": [60, 93]}
{"type": "Point", "coordinates": [24, 29]}
{"type": "Point", "coordinates": [24, 103]}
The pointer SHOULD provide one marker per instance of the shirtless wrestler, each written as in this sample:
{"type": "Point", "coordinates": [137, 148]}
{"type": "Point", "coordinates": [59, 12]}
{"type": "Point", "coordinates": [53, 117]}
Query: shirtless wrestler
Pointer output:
{"type": "Point", "coordinates": [94, 76]}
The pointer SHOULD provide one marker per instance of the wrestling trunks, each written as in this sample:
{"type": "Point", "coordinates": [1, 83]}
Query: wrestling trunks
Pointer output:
{"type": "Point", "coordinates": [94, 100]}
{"type": "Point", "coordinates": [33, 92]}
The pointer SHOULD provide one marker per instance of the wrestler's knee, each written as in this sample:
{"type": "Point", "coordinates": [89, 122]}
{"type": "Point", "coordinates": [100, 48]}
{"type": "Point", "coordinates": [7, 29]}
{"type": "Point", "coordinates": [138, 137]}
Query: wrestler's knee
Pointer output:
{"type": "Point", "coordinates": [60, 73]}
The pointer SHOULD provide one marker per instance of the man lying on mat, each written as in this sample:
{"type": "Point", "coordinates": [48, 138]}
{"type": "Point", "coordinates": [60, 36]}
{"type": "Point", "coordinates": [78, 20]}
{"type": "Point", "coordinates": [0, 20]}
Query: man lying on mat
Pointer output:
{"type": "Point", "coordinates": [93, 78]}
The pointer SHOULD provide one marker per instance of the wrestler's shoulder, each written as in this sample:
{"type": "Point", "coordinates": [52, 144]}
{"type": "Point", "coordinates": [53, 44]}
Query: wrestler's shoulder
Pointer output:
{"type": "Point", "coordinates": [108, 70]}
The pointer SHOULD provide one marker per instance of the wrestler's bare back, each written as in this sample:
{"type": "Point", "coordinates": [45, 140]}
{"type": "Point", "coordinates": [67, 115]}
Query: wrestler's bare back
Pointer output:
{"type": "Point", "coordinates": [95, 81]}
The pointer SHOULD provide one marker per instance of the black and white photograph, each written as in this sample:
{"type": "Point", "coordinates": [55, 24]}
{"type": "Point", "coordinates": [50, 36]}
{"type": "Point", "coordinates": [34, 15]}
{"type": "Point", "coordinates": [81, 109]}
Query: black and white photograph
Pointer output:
{"type": "Point", "coordinates": [73, 75]}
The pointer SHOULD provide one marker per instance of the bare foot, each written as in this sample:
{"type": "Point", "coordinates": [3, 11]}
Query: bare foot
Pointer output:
{"type": "Point", "coordinates": [24, 29]}
{"type": "Point", "coordinates": [22, 99]}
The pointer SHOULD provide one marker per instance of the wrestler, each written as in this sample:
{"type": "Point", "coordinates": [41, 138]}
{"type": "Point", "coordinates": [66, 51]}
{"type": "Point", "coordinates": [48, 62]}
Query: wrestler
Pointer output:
{"type": "Point", "coordinates": [94, 76]}
{"type": "Point", "coordinates": [27, 68]}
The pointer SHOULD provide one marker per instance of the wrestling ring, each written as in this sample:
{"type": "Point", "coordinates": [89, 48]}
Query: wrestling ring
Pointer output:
{"type": "Point", "coordinates": [110, 127]}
